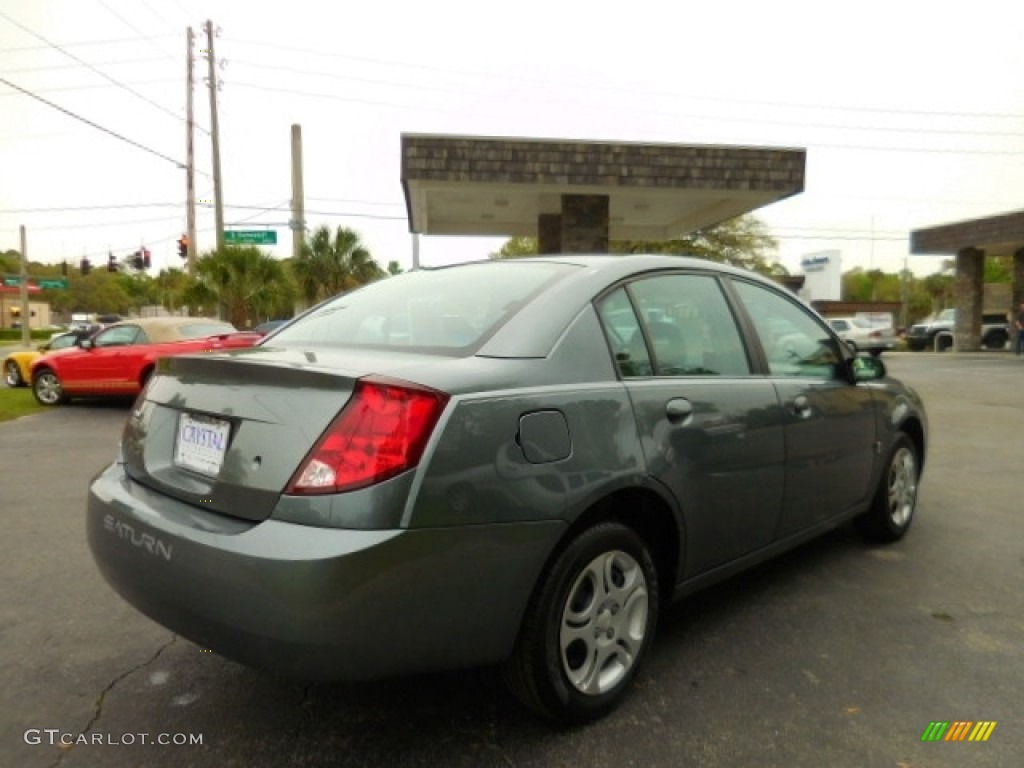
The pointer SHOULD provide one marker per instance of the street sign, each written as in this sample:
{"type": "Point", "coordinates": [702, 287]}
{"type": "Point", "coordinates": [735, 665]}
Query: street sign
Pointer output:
{"type": "Point", "coordinates": [36, 283]}
{"type": "Point", "coordinates": [250, 237]}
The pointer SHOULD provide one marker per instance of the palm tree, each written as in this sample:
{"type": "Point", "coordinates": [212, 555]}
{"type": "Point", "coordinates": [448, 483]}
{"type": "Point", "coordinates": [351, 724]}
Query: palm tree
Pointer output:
{"type": "Point", "coordinates": [246, 284]}
{"type": "Point", "coordinates": [330, 264]}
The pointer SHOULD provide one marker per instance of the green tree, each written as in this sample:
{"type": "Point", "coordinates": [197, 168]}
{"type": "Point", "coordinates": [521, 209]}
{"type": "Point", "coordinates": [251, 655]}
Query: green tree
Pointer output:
{"type": "Point", "coordinates": [394, 268]}
{"type": "Point", "coordinates": [242, 282]}
{"type": "Point", "coordinates": [169, 286]}
{"type": "Point", "coordinates": [331, 263]}
{"type": "Point", "coordinates": [515, 247]}
{"type": "Point", "coordinates": [743, 241]}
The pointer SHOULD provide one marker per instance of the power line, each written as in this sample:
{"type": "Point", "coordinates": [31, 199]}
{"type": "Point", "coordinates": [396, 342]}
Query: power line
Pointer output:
{"type": "Point", "coordinates": [50, 67]}
{"type": "Point", "coordinates": [97, 126]}
{"type": "Point", "coordinates": [822, 145]}
{"type": "Point", "coordinates": [758, 120]}
{"type": "Point", "coordinates": [76, 44]}
{"type": "Point", "coordinates": [141, 34]}
{"type": "Point", "coordinates": [262, 44]}
{"type": "Point", "coordinates": [84, 63]}
{"type": "Point", "coordinates": [74, 208]}
{"type": "Point", "coordinates": [95, 86]}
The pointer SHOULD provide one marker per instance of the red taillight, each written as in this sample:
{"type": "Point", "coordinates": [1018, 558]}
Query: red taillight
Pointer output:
{"type": "Point", "coordinates": [380, 433]}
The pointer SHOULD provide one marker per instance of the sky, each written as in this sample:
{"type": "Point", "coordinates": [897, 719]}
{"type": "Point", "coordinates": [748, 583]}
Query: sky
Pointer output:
{"type": "Point", "coordinates": [912, 113]}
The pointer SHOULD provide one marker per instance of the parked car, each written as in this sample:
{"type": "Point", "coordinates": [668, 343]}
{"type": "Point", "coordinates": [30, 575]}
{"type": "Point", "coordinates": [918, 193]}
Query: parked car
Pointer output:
{"type": "Point", "coordinates": [995, 331]}
{"type": "Point", "coordinates": [120, 358]}
{"type": "Point", "coordinates": [268, 326]}
{"type": "Point", "coordinates": [18, 365]}
{"type": "Point", "coordinates": [860, 335]}
{"type": "Point", "coordinates": [513, 462]}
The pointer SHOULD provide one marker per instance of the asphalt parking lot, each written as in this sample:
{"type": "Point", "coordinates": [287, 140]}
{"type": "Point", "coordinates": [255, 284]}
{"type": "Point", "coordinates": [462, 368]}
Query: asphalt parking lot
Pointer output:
{"type": "Point", "coordinates": [838, 654]}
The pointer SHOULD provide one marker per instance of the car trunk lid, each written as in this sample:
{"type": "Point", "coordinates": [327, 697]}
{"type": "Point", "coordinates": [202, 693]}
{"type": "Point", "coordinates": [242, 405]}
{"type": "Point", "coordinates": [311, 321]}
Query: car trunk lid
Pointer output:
{"type": "Point", "coordinates": [227, 431]}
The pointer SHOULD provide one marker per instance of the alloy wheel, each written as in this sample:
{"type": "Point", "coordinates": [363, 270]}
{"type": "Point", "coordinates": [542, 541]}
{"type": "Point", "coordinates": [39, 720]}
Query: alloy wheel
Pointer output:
{"type": "Point", "coordinates": [604, 622]}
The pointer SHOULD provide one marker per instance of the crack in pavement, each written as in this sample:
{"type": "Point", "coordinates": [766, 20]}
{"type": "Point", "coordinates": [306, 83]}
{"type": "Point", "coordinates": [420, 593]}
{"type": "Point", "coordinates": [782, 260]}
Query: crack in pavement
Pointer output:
{"type": "Point", "coordinates": [103, 694]}
{"type": "Point", "coordinates": [306, 706]}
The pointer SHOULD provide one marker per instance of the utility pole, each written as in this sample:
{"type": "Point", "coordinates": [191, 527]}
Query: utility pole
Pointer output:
{"type": "Point", "coordinates": [214, 84]}
{"type": "Point", "coordinates": [190, 157]}
{"type": "Point", "coordinates": [26, 333]}
{"type": "Point", "coordinates": [298, 222]}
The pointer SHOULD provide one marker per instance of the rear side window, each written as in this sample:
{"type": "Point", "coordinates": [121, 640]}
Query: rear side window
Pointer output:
{"type": "Point", "coordinates": [673, 325]}
{"type": "Point", "coordinates": [445, 311]}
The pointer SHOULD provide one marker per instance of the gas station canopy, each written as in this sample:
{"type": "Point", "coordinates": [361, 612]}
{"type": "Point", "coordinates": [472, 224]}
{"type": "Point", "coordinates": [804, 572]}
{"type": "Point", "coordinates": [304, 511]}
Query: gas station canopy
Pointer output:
{"type": "Point", "coordinates": [459, 185]}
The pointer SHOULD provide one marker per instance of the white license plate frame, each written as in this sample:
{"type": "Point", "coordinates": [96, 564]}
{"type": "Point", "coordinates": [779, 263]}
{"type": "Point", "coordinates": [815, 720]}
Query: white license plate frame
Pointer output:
{"type": "Point", "coordinates": [201, 443]}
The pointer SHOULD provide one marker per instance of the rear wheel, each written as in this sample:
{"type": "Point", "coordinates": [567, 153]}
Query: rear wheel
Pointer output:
{"type": "Point", "coordinates": [892, 509]}
{"type": "Point", "coordinates": [47, 388]}
{"type": "Point", "coordinates": [588, 626]}
{"type": "Point", "coordinates": [12, 374]}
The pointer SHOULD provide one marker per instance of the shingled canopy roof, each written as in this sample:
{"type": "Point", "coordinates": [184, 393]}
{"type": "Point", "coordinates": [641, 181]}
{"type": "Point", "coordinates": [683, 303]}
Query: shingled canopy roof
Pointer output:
{"type": "Point", "coordinates": [1003, 233]}
{"type": "Point", "coordinates": [458, 185]}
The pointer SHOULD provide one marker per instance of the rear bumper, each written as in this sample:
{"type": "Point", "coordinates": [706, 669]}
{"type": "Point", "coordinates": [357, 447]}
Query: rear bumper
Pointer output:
{"type": "Point", "coordinates": [317, 603]}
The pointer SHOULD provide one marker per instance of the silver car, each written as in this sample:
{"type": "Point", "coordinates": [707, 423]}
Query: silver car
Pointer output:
{"type": "Point", "coordinates": [513, 462]}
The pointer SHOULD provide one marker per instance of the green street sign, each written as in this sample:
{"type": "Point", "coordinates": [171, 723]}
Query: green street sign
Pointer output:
{"type": "Point", "coordinates": [250, 237]}
{"type": "Point", "coordinates": [49, 283]}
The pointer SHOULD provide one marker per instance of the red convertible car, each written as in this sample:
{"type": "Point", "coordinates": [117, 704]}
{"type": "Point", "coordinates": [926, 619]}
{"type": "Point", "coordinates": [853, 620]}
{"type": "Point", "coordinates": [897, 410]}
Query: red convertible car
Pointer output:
{"type": "Point", "coordinates": [120, 359]}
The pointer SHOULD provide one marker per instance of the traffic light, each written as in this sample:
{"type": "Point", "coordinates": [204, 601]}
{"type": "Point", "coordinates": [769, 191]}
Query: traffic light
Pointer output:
{"type": "Point", "coordinates": [147, 262]}
{"type": "Point", "coordinates": [183, 246]}
{"type": "Point", "coordinates": [84, 267]}
{"type": "Point", "coordinates": [111, 263]}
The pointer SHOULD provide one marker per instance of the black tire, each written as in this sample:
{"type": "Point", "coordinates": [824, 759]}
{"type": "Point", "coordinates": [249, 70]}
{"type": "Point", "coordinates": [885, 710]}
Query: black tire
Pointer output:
{"type": "Point", "coordinates": [594, 610]}
{"type": "Point", "coordinates": [12, 374]}
{"type": "Point", "coordinates": [996, 340]}
{"type": "Point", "coordinates": [892, 508]}
{"type": "Point", "coordinates": [47, 389]}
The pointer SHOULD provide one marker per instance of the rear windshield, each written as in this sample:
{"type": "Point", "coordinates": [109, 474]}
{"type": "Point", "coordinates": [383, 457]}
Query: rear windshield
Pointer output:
{"type": "Point", "coordinates": [446, 311]}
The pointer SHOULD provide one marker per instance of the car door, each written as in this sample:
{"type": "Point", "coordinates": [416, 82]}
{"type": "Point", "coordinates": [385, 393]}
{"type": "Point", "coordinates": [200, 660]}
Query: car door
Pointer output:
{"type": "Point", "coordinates": [711, 432]}
{"type": "Point", "coordinates": [830, 427]}
{"type": "Point", "coordinates": [104, 368]}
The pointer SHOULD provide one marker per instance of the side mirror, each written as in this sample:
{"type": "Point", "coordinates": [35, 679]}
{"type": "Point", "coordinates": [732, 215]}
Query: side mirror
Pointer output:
{"type": "Point", "coordinates": [85, 344]}
{"type": "Point", "coordinates": [867, 368]}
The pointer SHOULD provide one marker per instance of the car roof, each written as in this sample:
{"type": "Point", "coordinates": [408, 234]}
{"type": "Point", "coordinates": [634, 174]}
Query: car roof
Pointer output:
{"type": "Point", "coordinates": [166, 328]}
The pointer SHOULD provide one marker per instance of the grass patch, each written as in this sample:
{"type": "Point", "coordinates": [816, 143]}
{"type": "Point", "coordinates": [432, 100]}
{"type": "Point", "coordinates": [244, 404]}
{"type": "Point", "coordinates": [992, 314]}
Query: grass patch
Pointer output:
{"type": "Point", "coordinates": [15, 402]}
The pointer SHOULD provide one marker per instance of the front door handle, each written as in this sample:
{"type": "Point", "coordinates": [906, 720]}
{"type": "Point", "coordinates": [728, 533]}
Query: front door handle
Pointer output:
{"type": "Point", "coordinates": [678, 409]}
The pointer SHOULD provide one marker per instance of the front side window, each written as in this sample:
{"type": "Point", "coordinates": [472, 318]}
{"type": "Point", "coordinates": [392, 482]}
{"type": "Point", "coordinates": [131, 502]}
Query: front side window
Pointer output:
{"type": "Point", "coordinates": [118, 336]}
{"type": "Point", "coordinates": [795, 342]}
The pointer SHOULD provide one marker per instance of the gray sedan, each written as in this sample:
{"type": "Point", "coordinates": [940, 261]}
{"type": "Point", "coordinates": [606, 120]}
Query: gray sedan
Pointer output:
{"type": "Point", "coordinates": [510, 462]}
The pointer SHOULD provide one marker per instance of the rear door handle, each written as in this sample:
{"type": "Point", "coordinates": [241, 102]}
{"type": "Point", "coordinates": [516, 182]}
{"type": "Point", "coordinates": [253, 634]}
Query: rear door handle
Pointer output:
{"type": "Point", "coordinates": [801, 406]}
{"type": "Point", "coordinates": [678, 409]}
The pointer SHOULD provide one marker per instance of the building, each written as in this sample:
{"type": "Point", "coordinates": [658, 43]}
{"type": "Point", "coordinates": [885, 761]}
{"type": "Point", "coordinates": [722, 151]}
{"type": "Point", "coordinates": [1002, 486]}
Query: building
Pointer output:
{"type": "Point", "coordinates": [10, 309]}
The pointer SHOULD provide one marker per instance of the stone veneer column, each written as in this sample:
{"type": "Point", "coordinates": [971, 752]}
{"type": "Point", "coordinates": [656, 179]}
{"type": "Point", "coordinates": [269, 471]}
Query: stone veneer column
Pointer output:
{"type": "Point", "coordinates": [549, 233]}
{"type": "Point", "coordinates": [585, 223]}
{"type": "Point", "coordinates": [1017, 292]}
{"type": "Point", "coordinates": [970, 267]}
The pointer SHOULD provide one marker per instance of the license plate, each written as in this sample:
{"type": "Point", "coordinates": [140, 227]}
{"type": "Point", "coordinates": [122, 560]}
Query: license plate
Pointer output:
{"type": "Point", "coordinates": [202, 443]}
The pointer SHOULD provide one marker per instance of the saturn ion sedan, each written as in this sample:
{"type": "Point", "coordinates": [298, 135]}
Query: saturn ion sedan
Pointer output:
{"type": "Point", "coordinates": [514, 462]}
